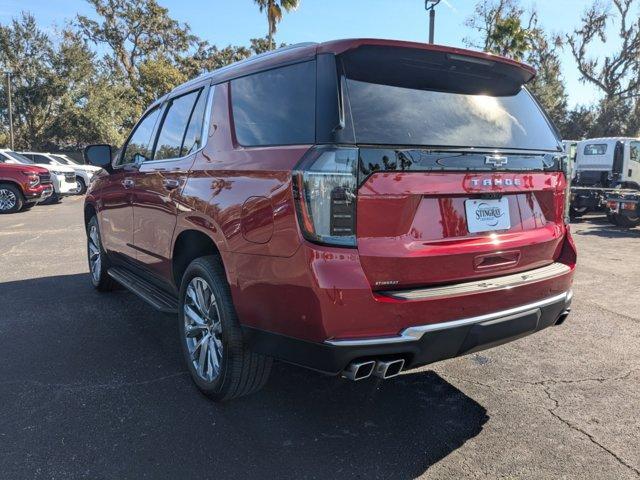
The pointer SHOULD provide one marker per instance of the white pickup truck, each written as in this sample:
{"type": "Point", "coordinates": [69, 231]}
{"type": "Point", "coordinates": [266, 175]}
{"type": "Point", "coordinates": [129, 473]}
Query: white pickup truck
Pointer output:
{"type": "Point", "coordinates": [62, 177]}
{"type": "Point", "coordinates": [84, 173]}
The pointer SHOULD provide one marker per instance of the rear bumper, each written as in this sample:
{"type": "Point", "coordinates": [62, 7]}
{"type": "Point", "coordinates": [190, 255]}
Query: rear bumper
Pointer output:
{"type": "Point", "coordinates": [418, 345]}
{"type": "Point", "coordinates": [317, 309]}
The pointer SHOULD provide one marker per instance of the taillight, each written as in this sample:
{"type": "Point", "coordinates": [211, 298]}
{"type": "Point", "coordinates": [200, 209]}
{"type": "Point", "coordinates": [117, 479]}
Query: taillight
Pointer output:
{"type": "Point", "coordinates": [324, 187]}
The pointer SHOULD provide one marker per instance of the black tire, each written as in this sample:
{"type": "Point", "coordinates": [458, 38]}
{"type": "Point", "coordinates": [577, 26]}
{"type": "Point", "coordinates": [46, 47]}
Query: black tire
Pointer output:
{"type": "Point", "coordinates": [627, 221]}
{"type": "Point", "coordinates": [53, 199]}
{"type": "Point", "coordinates": [611, 218]}
{"type": "Point", "coordinates": [11, 199]}
{"type": "Point", "coordinates": [82, 187]}
{"type": "Point", "coordinates": [101, 281]}
{"type": "Point", "coordinates": [577, 212]}
{"type": "Point", "coordinates": [240, 371]}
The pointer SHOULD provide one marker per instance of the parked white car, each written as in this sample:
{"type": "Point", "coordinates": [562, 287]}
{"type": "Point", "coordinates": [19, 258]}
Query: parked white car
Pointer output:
{"type": "Point", "coordinates": [84, 173]}
{"type": "Point", "coordinates": [62, 177]}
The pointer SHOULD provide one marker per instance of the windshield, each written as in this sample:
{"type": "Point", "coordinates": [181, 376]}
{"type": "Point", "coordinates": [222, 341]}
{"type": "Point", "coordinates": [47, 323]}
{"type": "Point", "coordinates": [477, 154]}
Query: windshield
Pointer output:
{"type": "Point", "coordinates": [19, 158]}
{"type": "Point", "coordinates": [392, 115]}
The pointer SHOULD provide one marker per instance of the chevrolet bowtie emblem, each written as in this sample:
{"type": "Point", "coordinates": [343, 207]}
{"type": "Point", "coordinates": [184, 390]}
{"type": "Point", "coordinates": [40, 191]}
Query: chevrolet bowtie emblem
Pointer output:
{"type": "Point", "coordinates": [496, 160]}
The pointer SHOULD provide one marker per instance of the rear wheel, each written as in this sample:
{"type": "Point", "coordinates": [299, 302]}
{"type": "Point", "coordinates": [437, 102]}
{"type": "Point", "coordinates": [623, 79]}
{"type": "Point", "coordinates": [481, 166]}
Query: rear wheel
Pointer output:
{"type": "Point", "coordinates": [611, 218]}
{"type": "Point", "coordinates": [98, 261]}
{"type": "Point", "coordinates": [218, 361]}
{"type": "Point", "coordinates": [11, 199]}
{"type": "Point", "coordinates": [627, 221]}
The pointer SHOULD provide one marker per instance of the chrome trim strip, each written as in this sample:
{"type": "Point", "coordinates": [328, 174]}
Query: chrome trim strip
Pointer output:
{"type": "Point", "coordinates": [413, 334]}
{"type": "Point", "coordinates": [481, 286]}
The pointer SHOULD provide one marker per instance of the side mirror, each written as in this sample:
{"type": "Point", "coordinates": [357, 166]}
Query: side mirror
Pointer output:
{"type": "Point", "coordinates": [98, 155]}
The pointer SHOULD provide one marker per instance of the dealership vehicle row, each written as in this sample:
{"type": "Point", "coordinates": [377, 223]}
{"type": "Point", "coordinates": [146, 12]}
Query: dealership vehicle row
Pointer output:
{"type": "Point", "coordinates": [64, 177]}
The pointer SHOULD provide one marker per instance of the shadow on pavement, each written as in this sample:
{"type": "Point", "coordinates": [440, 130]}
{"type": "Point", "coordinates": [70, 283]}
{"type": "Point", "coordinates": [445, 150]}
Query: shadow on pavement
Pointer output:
{"type": "Point", "coordinates": [598, 226]}
{"type": "Point", "coordinates": [94, 385]}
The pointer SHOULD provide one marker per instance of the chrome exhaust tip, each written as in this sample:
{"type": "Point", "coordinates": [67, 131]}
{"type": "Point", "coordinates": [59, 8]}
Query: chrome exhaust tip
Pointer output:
{"type": "Point", "coordinates": [563, 316]}
{"type": "Point", "coordinates": [389, 369]}
{"type": "Point", "coordinates": [359, 370]}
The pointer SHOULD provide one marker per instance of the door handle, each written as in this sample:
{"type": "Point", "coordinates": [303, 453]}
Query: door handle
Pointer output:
{"type": "Point", "coordinates": [170, 183]}
{"type": "Point", "coordinates": [128, 183]}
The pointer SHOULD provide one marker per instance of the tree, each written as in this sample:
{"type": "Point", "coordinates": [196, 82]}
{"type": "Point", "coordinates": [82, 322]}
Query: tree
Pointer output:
{"type": "Point", "coordinates": [505, 31]}
{"type": "Point", "coordinates": [580, 123]}
{"type": "Point", "coordinates": [273, 9]}
{"type": "Point", "coordinates": [38, 91]}
{"type": "Point", "coordinates": [135, 31]}
{"type": "Point", "coordinates": [616, 75]}
{"type": "Point", "coordinates": [499, 24]}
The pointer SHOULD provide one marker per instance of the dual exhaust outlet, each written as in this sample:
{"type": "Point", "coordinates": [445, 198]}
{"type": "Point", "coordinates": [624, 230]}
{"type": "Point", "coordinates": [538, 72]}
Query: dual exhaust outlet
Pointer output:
{"type": "Point", "coordinates": [381, 369]}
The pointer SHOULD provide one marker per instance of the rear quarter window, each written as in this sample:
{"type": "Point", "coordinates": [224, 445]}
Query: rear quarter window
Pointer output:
{"type": "Point", "coordinates": [595, 149]}
{"type": "Point", "coordinates": [634, 150]}
{"type": "Point", "coordinates": [276, 107]}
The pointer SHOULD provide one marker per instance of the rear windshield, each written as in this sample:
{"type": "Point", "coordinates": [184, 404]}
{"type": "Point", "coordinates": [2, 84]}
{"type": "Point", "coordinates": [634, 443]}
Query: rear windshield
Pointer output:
{"type": "Point", "coordinates": [595, 149]}
{"type": "Point", "coordinates": [393, 115]}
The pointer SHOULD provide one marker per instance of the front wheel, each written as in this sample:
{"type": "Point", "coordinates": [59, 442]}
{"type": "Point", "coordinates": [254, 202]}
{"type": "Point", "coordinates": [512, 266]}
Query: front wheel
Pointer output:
{"type": "Point", "coordinates": [577, 212]}
{"type": "Point", "coordinates": [11, 200]}
{"type": "Point", "coordinates": [218, 361]}
{"type": "Point", "coordinates": [54, 198]}
{"type": "Point", "coordinates": [81, 187]}
{"type": "Point", "coordinates": [98, 261]}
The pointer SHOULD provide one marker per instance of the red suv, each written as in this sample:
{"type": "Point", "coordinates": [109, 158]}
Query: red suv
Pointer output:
{"type": "Point", "coordinates": [357, 207]}
{"type": "Point", "coordinates": [22, 186]}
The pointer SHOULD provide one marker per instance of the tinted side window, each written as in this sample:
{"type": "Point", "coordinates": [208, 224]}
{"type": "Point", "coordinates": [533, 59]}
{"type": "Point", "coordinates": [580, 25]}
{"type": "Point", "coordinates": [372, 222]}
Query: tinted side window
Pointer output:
{"type": "Point", "coordinates": [595, 149]}
{"type": "Point", "coordinates": [174, 126]}
{"type": "Point", "coordinates": [193, 138]}
{"type": "Point", "coordinates": [41, 159]}
{"type": "Point", "coordinates": [140, 142]}
{"type": "Point", "coordinates": [276, 107]}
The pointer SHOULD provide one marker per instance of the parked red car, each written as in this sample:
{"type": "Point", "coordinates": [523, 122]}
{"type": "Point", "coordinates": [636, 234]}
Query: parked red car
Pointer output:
{"type": "Point", "coordinates": [22, 186]}
{"type": "Point", "coordinates": [357, 207]}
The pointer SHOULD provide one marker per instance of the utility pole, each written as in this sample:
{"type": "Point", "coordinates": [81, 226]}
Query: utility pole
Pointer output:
{"type": "Point", "coordinates": [430, 6]}
{"type": "Point", "coordinates": [10, 106]}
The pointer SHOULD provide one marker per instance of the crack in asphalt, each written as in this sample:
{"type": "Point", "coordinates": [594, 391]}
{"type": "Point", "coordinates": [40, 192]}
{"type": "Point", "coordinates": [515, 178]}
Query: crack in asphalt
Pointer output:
{"type": "Point", "coordinates": [591, 438]}
{"type": "Point", "coordinates": [615, 312]}
{"type": "Point", "coordinates": [21, 244]}
{"type": "Point", "coordinates": [546, 384]}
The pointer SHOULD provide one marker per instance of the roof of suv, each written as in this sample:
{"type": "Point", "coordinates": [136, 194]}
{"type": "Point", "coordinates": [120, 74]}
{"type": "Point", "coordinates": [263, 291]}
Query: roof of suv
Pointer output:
{"type": "Point", "coordinates": [308, 51]}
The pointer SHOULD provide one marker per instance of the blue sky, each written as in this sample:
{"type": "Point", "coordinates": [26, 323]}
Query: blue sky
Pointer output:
{"type": "Point", "coordinates": [224, 22]}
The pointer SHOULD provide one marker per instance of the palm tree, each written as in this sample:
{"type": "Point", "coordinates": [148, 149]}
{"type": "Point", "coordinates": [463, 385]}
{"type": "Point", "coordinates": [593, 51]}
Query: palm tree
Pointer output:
{"type": "Point", "coordinates": [274, 13]}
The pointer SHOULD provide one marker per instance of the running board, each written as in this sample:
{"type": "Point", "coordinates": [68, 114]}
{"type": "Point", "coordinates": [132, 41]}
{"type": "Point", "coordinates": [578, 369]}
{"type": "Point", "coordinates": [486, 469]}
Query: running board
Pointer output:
{"type": "Point", "coordinates": [154, 296]}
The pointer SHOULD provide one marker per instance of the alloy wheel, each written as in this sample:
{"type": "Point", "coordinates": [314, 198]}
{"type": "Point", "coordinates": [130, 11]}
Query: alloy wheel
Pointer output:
{"type": "Point", "coordinates": [95, 259]}
{"type": "Point", "coordinates": [7, 199]}
{"type": "Point", "coordinates": [203, 329]}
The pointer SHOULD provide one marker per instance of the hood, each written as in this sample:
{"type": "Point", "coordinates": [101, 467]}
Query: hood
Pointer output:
{"type": "Point", "coordinates": [57, 168]}
{"type": "Point", "coordinates": [88, 168]}
{"type": "Point", "coordinates": [13, 167]}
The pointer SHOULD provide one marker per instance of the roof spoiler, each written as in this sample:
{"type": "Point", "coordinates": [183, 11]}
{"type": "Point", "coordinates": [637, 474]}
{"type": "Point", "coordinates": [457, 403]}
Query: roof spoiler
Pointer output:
{"type": "Point", "coordinates": [431, 67]}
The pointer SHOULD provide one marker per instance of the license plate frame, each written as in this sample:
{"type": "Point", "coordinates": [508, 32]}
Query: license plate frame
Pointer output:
{"type": "Point", "coordinates": [487, 215]}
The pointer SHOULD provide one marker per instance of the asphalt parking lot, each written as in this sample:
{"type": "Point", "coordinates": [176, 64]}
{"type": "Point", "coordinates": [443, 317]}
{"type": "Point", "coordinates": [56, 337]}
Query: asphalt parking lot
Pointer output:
{"type": "Point", "coordinates": [93, 385]}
